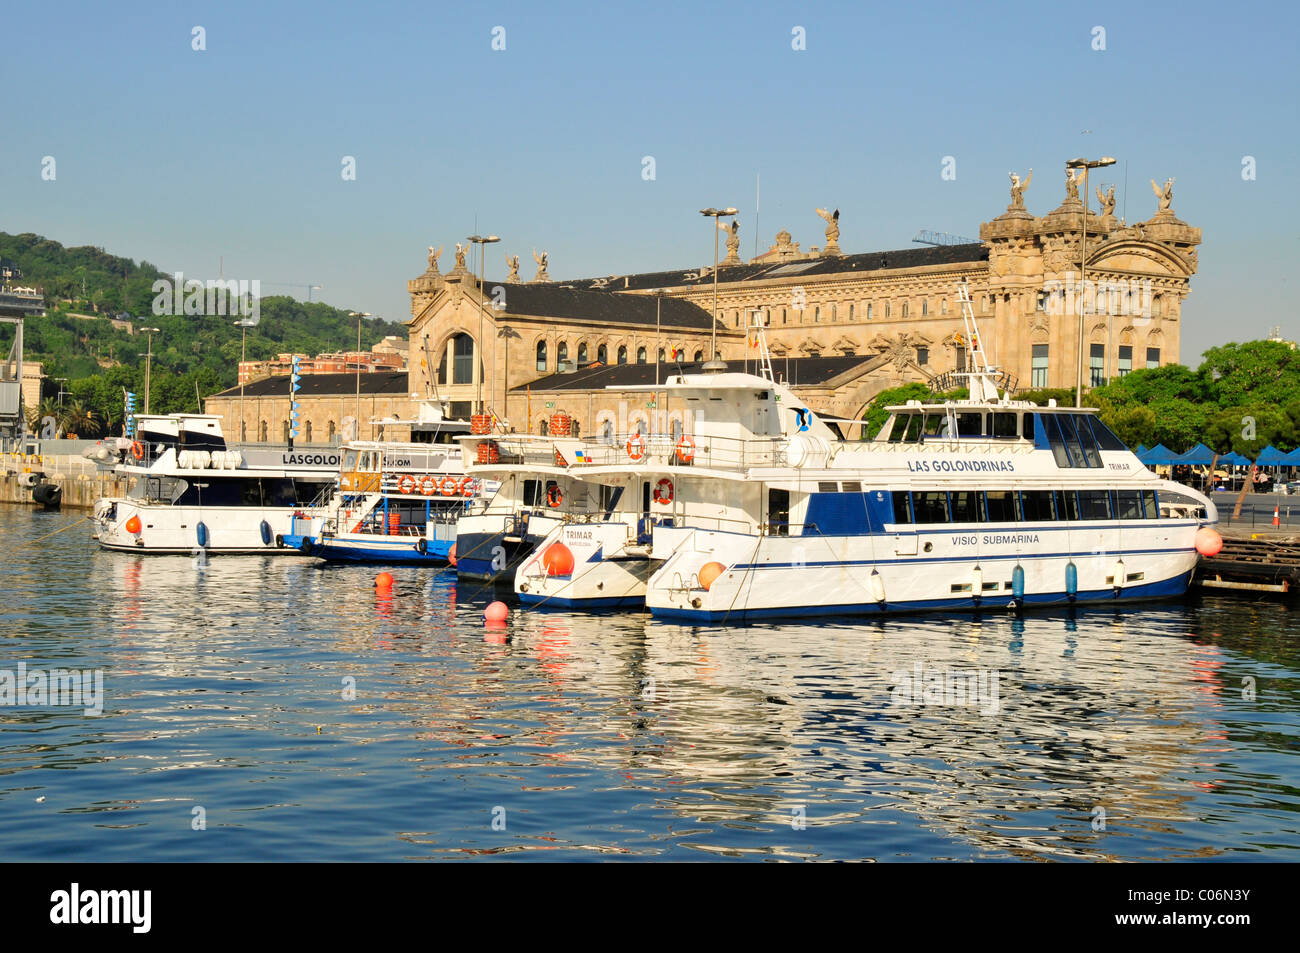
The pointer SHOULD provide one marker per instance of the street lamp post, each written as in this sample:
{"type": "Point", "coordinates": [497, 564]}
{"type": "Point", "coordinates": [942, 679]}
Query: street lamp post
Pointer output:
{"type": "Point", "coordinates": [243, 324]}
{"type": "Point", "coordinates": [358, 315]}
{"type": "Point", "coordinates": [507, 332]}
{"type": "Point", "coordinates": [714, 363]}
{"type": "Point", "coordinates": [148, 364]}
{"type": "Point", "coordinates": [482, 241]}
{"type": "Point", "coordinates": [1085, 165]}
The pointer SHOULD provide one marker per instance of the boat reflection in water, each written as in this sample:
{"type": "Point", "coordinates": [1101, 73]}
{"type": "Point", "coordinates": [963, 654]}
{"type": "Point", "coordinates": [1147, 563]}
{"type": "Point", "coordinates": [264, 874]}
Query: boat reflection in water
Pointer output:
{"type": "Point", "coordinates": [1113, 734]}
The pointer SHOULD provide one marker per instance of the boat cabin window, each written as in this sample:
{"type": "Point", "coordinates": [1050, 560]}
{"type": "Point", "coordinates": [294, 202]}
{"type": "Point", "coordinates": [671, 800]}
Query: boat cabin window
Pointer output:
{"type": "Point", "coordinates": [1008, 506]}
{"type": "Point", "coordinates": [966, 506]}
{"type": "Point", "coordinates": [1004, 425]}
{"type": "Point", "coordinates": [824, 487]}
{"type": "Point", "coordinates": [936, 425]}
{"type": "Point", "coordinates": [532, 493]}
{"type": "Point", "coordinates": [1094, 504]}
{"type": "Point", "coordinates": [1128, 504]}
{"type": "Point", "coordinates": [1036, 506]}
{"type": "Point", "coordinates": [1001, 506]}
{"type": "Point", "coordinates": [970, 424]}
{"type": "Point", "coordinates": [930, 507]}
{"type": "Point", "coordinates": [851, 487]}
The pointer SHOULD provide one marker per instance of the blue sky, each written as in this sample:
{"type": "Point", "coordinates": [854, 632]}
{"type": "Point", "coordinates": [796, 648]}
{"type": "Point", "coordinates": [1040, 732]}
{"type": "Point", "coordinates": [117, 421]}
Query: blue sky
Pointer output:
{"type": "Point", "coordinates": [184, 157]}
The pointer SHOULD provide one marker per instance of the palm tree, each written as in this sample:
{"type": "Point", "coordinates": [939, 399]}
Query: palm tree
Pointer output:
{"type": "Point", "coordinates": [80, 419]}
{"type": "Point", "coordinates": [47, 408]}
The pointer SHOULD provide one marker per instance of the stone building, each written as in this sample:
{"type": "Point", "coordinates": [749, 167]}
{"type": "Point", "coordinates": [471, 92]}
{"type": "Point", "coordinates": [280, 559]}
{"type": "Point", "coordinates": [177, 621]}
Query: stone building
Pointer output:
{"type": "Point", "coordinates": [841, 327]}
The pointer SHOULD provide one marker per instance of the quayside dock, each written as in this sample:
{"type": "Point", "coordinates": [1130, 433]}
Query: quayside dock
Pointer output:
{"type": "Point", "coordinates": [1253, 563]}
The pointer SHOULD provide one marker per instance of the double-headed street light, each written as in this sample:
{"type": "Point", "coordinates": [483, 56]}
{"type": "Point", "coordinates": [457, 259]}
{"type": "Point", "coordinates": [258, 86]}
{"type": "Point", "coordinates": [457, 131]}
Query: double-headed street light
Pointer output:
{"type": "Point", "coordinates": [481, 241]}
{"type": "Point", "coordinates": [714, 363]}
{"type": "Point", "coordinates": [1085, 165]}
{"type": "Point", "coordinates": [148, 363]}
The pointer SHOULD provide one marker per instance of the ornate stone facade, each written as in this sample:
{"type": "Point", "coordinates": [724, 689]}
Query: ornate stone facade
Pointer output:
{"type": "Point", "coordinates": [897, 312]}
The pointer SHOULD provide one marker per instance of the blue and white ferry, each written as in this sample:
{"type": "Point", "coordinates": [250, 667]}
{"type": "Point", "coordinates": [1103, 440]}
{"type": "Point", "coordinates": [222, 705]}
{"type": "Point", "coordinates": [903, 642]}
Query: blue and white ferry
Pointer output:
{"type": "Point", "coordinates": [973, 504]}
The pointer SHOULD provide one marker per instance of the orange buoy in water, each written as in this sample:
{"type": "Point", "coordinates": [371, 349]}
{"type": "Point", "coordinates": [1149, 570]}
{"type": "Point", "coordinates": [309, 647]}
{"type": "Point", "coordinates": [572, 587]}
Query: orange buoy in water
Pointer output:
{"type": "Point", "coordinates": [133, 525]}
{"type": "Point", "coordinates": [1208, 541]}
{"type": "Point", "coordinates": [558, 560]}
{"type": "Point", "coordinates": [451, 556]}
{"type": "Point", "coordinates": [496, 612]}
{"type": "Point", "coordinates": [709, 572]}
{"type": "Point", "coordinates": [384, 580]}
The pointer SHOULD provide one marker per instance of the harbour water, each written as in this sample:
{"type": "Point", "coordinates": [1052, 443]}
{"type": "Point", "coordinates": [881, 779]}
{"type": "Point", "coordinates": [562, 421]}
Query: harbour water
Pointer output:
{"type": "Point", "coordinates": [276, 709]}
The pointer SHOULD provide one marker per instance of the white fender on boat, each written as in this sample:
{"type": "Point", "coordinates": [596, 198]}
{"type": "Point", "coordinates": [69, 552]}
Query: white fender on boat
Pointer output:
{"type": "Point", "coordinates": [877, 583]}
{"type": "Point", "coordinates": [1118, 571]}
{"type": "Point", "coordinates": [977, 581]}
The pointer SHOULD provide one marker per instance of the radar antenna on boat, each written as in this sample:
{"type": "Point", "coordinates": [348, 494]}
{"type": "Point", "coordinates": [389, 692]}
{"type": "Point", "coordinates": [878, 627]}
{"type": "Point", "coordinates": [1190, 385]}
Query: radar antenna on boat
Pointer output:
{"type": "Point", "coordinates": [981, 378]}
{"type": "Point", "coordinates": [756, 337]}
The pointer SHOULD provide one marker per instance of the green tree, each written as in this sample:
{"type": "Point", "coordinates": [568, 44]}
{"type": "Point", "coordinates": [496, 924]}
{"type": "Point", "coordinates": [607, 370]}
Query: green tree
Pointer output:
{"type": "Point", "coordinates": [1265, 372]}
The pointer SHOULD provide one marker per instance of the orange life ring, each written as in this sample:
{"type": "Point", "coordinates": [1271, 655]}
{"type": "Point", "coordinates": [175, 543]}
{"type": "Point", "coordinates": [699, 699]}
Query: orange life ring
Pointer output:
{"type": "Point", "coordinates": [429, 486]}
{"type": "Point", "coordinates": [406, 483]}
{"type": "Point", "coordinates": [685, 449]}
{"type": "Point", "coordinates": [137, 450]}
{"type": "Point", "coordinates": [554, 496]}
{"type": "Point", "coordinates": [467, 487]}
{"type": "Point", "coordinates": [664, 491]}
{"type": "Point", "coordinates": [635, 447]}
{"type": "Point", "coordinates": [449, 486]}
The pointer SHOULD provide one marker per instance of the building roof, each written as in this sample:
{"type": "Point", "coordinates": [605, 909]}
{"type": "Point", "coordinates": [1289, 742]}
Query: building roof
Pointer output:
{"type": "Point", "coordinates": [796, 371]}
{"type": "Point", "coordinates": [387, 383]}
{"type": "Point", "coordinates": [919, 257]}
{"type": "Point", "coordinates": [584, 304]}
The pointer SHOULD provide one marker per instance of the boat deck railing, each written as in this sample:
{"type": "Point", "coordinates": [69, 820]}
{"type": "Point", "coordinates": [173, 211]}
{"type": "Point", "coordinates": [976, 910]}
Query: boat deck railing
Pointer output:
{"type": "Point", "coordinates": [642, 450]}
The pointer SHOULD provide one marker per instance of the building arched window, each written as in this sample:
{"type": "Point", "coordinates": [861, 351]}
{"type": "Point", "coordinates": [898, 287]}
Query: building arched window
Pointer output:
{"type": "Point", "coordinates": [834, 313]}
{"type": "Point", "coordinates": [307, 431]}
{"type": "Point", "coordinates": [541, 355]}
{"type": "Point", "coordinates": [607, 432]}
{"type": "Point", "coordinates": [904, 309]}
{"type": "Point", "coordinates": [462, 350]}
{"type": "Point", "coordinates": [622, 353]}
{"type": "Point", "coordinates": [602, 354]}
{"type": "Point", "coordinates": [640, 355]}
{"type": "Point", "coordinates": [1157, 306]}
{"type": "Point", "coordinates": [850, 312]}
{"type": "Point", "coordinates": [677, 429]}
{"type": "Point", "coordinates": [925, 308]}
{"type": "Point", "coordinates": [562, 352]}
{"type": "Point", "coordinates": [284, 431]}
{"type": "Point", "coordinates": [783, 321]}
{"type": "Point", "coordinates": [888, 308]}
{"type": "Point", "coordinates": [243, 431]}
{"type": "Point", "coordinates": [263, 436]}
{"type": "Point", "coordinates": [582, 353]}
{"type": "Point", "coordinates": [699, 356]}
{"type": "Point", "coordinates": [332, 431]}
{"type": "Point", "coordinates": [661, 355]}
{"type": "Point", "coordinates": [817, 314]}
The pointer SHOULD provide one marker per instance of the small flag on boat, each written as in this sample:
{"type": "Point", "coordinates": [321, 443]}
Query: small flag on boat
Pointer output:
{"type": "Point", "coordinates": [581, 456]}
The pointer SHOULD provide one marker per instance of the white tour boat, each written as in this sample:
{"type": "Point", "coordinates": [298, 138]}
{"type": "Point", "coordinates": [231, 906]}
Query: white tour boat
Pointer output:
{"type": "Point", "coordinates": [191, 491]}
{"type": "Point", "coordinates": [395, 501]}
